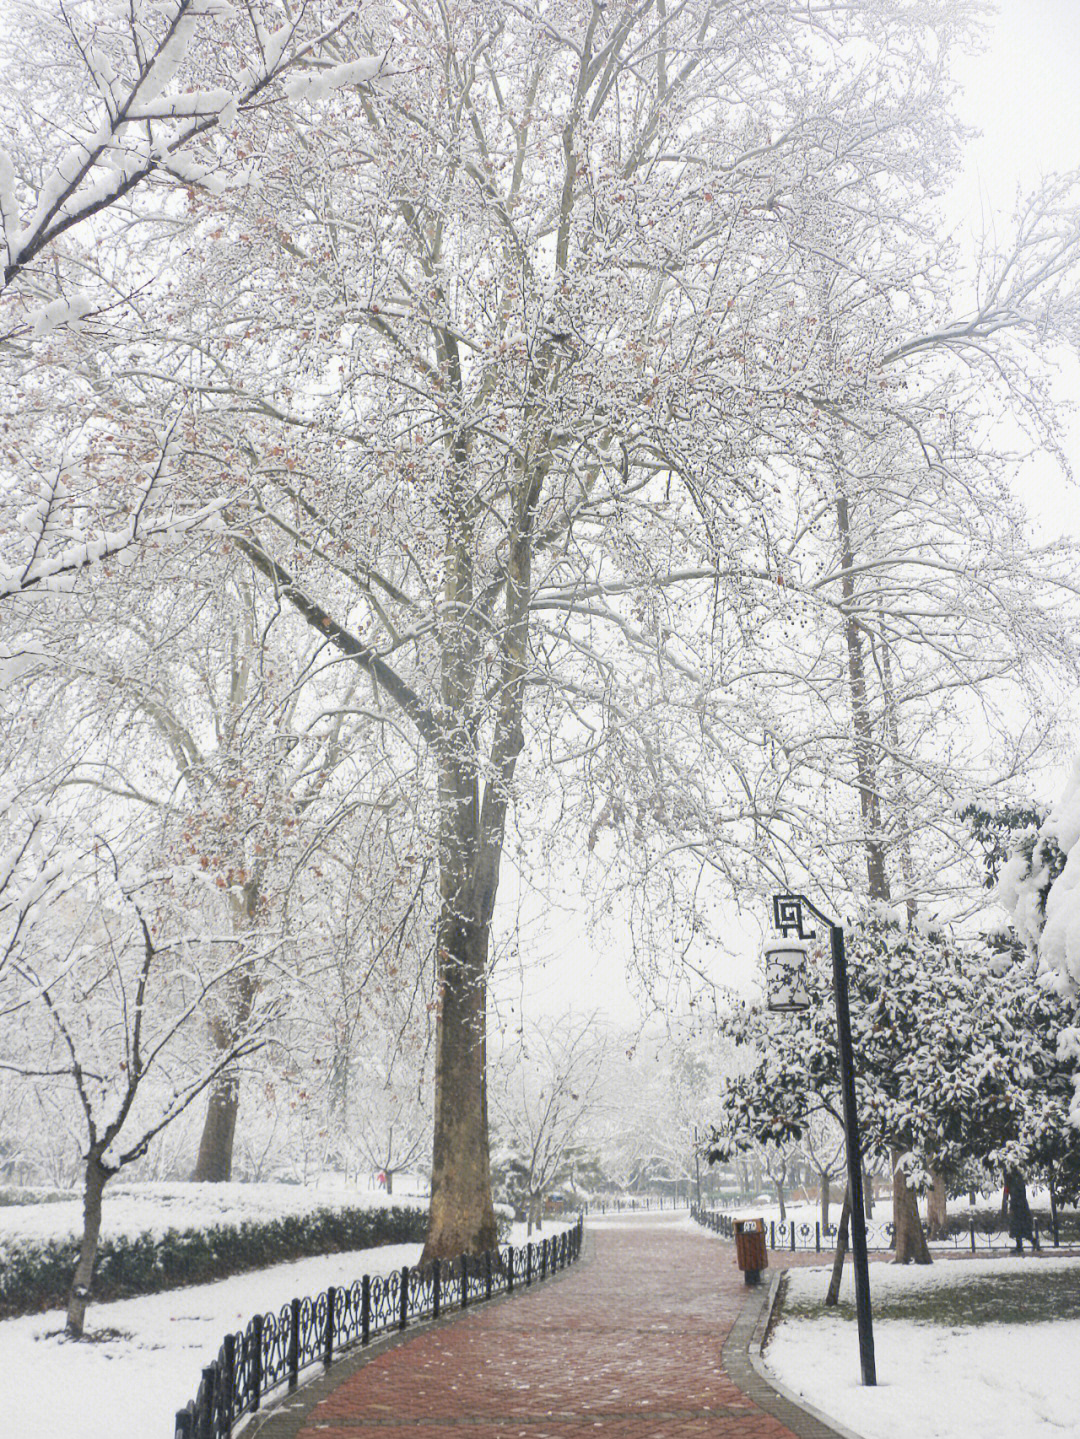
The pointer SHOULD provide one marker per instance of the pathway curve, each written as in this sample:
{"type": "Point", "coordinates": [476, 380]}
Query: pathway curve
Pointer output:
{"type": "Point", "coordinates": [627, 1344]}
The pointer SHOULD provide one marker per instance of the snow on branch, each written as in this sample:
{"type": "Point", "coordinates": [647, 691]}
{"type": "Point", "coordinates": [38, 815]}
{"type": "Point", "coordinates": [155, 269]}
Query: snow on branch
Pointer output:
{"type": "Point", "coordinates": [142, 79]}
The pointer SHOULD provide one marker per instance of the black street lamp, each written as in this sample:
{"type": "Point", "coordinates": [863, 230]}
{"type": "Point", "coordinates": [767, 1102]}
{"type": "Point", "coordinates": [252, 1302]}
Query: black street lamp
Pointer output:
{"type": "Point", "coordinates": [785, 962]}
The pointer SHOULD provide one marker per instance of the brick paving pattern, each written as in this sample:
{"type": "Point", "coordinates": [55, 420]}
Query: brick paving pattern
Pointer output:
{"type": "Point", "coordinates": [625, 1345]}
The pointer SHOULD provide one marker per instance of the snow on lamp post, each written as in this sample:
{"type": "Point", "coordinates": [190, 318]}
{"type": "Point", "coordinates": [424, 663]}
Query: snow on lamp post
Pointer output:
{"type": "Point", "coordinates": [785, 972]}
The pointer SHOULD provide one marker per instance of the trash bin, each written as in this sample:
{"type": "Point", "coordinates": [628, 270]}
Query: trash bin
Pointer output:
{"type": "Point", "coordinates": [750, 1252]}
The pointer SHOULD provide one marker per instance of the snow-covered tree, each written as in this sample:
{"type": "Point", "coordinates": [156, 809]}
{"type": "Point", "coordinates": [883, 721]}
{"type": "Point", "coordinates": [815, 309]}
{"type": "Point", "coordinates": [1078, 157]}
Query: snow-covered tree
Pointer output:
{"type": "Point", "coordinates": [544, 1091]}
{"type": "Point", "coordinates": [1040, 886]}
{"type": "Point", "coordinates": [506, 375]}
{"type": "Point", "coordinates": [107, 976]}
{"type": "Point", "coordinates": [100, 101]}
{"type": "Point", "coordinates": [952, 1065]}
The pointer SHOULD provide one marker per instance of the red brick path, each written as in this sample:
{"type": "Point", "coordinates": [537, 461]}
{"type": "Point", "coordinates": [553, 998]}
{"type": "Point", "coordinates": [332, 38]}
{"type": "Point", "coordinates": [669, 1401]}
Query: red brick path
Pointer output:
{"type": "Point", "coordinates": [625, 1345]}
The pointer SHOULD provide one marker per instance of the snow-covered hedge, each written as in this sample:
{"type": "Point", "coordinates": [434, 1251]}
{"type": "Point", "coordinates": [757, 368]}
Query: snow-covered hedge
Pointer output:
{"type": "Point", "coordinates": [35, 1273]}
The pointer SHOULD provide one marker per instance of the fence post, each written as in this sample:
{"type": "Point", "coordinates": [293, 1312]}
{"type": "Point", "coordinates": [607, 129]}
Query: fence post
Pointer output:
{"type": "Point", "coordinates": [255, 1331]}
{"type": "Point", "coordinates": [543, 1259]}
{"type": "Point", "coordinates": [294, 1343]}
{"type": "Point", "coordinates": [365, 1309]}
{"type": "Point", "coordinates": [464, 1281]}
{"type": "Point", "coordinates": [509, 1268]}
{"type": "Point", "coordinates": [328, 1338]}
{"type": "Point", "coordinates": [436, 1288]}
{"type": "Point", "coordinates": [403, 1315]}
{"type": "Point", "coordinates": [1054, 1222]}
{"type": "Point", "coordinates": [817, 1237]}
{"type": "Point", "coordinates": [487, 1273]}
{"type": "Point", "coordinates": [208, 1391]}
{"type": "Point", "coordinates": [971, 1231]}
{"type": "Point", "coordinates": [227, 1377]}
{"type": "Point", "coordinates": [772, 1233]}
{"type": "Point", "coordinates": [528, 1263]}
{"type": "Point", "coordinates": [793, 1236]}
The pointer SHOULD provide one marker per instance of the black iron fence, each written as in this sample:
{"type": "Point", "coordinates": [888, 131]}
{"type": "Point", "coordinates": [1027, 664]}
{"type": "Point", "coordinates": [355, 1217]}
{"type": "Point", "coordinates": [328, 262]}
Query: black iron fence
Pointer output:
{"type": "Point", "coordinates": [802, 1236]}
{"type": "Point", "coordinates": [633, 1204]}
{"type": "Point", "coordinates": [275, 1349]}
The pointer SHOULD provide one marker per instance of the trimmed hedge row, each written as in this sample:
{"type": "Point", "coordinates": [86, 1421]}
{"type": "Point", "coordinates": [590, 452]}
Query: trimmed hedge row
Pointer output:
{"type": "Point", "coordinates": [36, 1276]}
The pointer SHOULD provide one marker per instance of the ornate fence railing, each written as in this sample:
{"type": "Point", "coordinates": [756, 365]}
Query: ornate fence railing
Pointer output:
{"type": "Point", "coordinates": [800, 1235]}
{"type": "Point", "coordinates": [275, 1349]}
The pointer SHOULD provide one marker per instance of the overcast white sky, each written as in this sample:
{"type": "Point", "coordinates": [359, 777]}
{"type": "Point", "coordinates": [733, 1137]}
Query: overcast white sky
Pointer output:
{"type": "Point", "coordinates": [1023, 95]}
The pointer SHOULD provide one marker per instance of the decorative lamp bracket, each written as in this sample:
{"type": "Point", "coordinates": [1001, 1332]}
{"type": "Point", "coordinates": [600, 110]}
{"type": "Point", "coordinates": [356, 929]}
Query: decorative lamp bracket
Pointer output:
{"type": "Point", "coordinates": [788, 915]}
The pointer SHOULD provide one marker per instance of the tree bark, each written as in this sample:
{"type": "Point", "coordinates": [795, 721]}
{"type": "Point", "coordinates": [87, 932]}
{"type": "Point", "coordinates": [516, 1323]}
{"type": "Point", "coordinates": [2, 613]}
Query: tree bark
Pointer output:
{"type": "Point", "coordinates": [95, 1179]}
{"type": "Point", "coordinates": [909, 1241]}
{"type": "Point", "coordinates": [461, 1218]}
{"type": "Point", "coordinates": [826, 1194]}
{"type": "Point", "coordinates": [866, 749]}
{"type": "Point", "coordinates": [832, 1297]}
{"type": "Point", "coordinates": [214, 1162]}
{"type": "Point", "coordinates": [868, 1194]}
{"type": "Point", "coordinates": [937, 1207]}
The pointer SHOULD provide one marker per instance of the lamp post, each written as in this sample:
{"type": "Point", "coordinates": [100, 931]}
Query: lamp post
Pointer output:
{"type": "Point", "coordinates": [787, 958]}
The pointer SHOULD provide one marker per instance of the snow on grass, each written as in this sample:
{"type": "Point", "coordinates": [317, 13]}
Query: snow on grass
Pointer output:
{"type": "Point", "coordinates": [940, 1380]}
{"type": "Point", "coordinates": [131, 1209]}
{"type": "Point", "coordinates": [130, 1386]}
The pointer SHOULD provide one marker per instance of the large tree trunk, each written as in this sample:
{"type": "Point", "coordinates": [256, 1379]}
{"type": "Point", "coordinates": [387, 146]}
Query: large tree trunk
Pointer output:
{"type": "Point", "coordinates": [937, 1207]}
{"type": "Point", "coordinates": [471, 834]}
{"type": "Point", "coordinates": [866, 749]}
{"type": "Point", "coordinates": [461, 1218]}
{"type": "Point", "coordinates": [909, 1241]}
{"type": "Point", "coordinates": [96, 1177]}
{"type": "Point", "coordinates": [214, 1163]}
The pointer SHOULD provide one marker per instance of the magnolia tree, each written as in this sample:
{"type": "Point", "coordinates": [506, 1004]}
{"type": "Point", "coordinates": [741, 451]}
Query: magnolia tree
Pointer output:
{"type": "Point", "coordinates": [106, 977]}
{"type": "Point", "coordinates": [582, 379]}
{"type": "Point", "coordinates": [953, 1063]}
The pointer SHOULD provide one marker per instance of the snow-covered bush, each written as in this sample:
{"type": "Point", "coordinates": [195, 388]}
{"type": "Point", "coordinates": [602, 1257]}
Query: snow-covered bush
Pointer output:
{"type": "Point", "coordinates": [36, 1273]}
{"type": "Point", "coordinates": [1040, 887]}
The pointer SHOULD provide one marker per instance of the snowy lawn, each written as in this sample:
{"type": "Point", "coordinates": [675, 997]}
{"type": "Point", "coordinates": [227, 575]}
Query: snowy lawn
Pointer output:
{"type": "Point", "coordinates": [153, 1208]}
{"type": "Point", "coordinates": [131, 1385]}
{"type": "Point", "coordinates": [963, 1347]}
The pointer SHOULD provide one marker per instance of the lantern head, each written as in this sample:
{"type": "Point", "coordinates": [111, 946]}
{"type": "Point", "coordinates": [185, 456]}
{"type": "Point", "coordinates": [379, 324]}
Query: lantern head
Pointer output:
{"type": "Point", "coordinates": [785, 976]}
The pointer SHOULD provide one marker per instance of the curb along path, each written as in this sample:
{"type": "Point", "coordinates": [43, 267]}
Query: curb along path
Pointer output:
{"type": "Point", "coordinates": [624, 1345]}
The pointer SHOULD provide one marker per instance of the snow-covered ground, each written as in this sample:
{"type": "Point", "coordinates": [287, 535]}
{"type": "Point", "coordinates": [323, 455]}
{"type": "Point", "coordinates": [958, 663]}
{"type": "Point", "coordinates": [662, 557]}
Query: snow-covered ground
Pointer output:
{"type": "Point", "coordinates": [935, 1381]}
{"type": "Point", "coordinates": [130, 1387]}
{"type": "Point", "coordinates": [153, 1208]}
